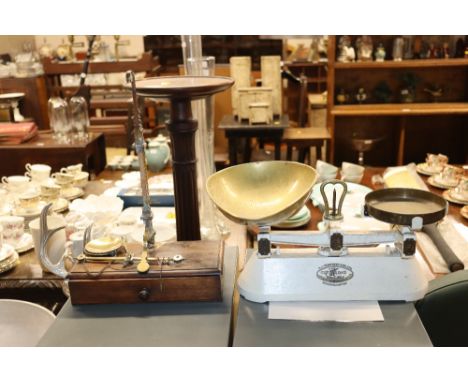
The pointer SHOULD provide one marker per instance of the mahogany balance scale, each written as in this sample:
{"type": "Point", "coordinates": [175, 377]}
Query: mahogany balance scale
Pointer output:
{"type": "Point", "coordinates": [187, 270]}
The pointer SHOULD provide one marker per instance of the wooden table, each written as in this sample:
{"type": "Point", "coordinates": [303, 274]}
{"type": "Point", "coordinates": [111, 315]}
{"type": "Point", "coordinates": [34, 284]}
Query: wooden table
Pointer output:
{"type": "Point", "coordinates": [44, 149]}
{"type": "Point", "coordinates": [235, 129]}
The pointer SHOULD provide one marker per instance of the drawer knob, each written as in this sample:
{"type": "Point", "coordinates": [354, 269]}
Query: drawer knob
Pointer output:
{"type": "Point", "coordinates": [144, 294]}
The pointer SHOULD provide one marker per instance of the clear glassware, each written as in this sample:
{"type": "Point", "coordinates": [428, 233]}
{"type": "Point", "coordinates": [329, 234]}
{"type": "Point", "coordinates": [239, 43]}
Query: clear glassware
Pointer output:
{"type": "Point", "coordinates": [79, 118]}
{"type": "Point", "coordinates": [59, 119]}
{"type": "Point", "coordinates": [212, 223]}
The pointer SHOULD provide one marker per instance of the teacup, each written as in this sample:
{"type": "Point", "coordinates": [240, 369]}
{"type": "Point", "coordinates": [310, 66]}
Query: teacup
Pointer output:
{"type": "Point", "coordinates": [73, 169]}
{"type": "Point", "coordinates": [63, 178]}
{"type": "Point", "coordinates": [351, 172]}
{"type": "Point", "coordinates": [29, 201]}
{"type": "Point", "coordinates": [436, 162]}
{"type": "Point", "coordinates": [16, 183]}
{"type": "Point", "coordinates": [13, 229]}
{"type": "Point", "coordinates": [81, 179]}
{"type": "Point", "coordinates": [450, 175]}
{"type": "Point", "coordinates": [50, 191]}
{"type": "Point", "coordinates": [38, 172]}
{"type": "Point", "coordinates": [326, 171]}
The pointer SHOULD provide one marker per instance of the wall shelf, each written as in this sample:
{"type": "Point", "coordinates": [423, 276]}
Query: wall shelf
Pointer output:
{"type": "Point", "coordinates": [399, 109]}
{"type": "Point", "coordinates": [405, 64]}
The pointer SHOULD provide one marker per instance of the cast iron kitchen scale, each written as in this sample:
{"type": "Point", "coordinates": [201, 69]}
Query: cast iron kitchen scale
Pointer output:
{"type": "Point", "coordinates": [346, 265]}
{"type": "Point", "coordinates": [109, 271]}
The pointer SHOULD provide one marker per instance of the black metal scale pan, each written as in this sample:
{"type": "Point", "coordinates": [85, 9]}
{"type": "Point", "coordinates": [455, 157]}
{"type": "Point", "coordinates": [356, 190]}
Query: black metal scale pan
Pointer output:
{"type": "Point", "coordinates": [401, 205]}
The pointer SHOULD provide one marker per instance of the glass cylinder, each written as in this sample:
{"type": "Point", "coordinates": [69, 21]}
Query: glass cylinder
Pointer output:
{"type": "Point", "coordinates": [59, 119]}
{"type": "Point", "coordinates": [79, 118]}
{"type": "Point", "coordinates": [212, 223]}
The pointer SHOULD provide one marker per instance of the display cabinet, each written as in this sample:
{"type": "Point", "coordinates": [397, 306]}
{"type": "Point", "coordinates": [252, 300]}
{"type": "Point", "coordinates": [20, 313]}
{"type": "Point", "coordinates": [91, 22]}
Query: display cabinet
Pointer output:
{"type": "Point", "coordinates": [434, 120]}
{"type": "Point", "coordinates": [316, 74]}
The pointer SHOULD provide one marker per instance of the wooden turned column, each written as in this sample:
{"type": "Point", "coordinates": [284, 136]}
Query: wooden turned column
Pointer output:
{"type": "Point", "coordinates": [182, 130]}
{"type": "Point", "coordinates": [180, 91]}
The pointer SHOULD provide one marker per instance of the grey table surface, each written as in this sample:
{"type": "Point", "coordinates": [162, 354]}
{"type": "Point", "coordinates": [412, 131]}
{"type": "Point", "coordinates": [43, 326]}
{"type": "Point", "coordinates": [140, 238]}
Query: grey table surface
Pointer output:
{"type": "Point", "coordinates": [401, 327]}
{"type": "Point", "coordinates": [152, 324]}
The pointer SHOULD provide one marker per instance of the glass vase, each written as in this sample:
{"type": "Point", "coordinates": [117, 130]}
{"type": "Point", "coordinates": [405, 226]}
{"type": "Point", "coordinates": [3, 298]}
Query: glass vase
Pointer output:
{"type": "Point", "coordinates": [212, 223]}
{"type": "Point", "coordinates": [79, 118]}
{"type": "Point", "coordinates": [59, 119]}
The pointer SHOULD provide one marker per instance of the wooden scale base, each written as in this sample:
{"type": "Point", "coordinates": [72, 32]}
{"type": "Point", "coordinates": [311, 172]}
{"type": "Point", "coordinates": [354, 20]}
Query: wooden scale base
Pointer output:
{"type": "Point", "coordinates": [196, 278]}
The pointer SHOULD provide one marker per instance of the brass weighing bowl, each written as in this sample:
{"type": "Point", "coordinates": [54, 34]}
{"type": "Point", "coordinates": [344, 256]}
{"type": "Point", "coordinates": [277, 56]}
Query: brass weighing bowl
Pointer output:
{"type": "Point", "coordinates": [262, 193]}
{"type": "Point", "coordinates": [103, 246]}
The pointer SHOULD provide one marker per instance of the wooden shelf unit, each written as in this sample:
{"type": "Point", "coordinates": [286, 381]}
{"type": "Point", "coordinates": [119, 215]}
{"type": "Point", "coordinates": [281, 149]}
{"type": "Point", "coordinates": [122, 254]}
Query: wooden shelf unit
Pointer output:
{"type": "Point", "coordinates": [316, 74]}
{"type": "Point", "coordinates": [423, 119]}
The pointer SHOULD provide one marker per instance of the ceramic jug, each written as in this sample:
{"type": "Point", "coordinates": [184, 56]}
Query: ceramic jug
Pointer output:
{"type": "Point", "coordinates": [158, 153]}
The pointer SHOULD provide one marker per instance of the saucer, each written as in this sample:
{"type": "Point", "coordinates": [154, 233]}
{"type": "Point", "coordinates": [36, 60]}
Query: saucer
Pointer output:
{"type": "Point", "coordinates": [25, 243]}
{"type": "Point", "coordinates": [60, 205]}
{"type": "Point", "coordinates": [11, 262]}
{"type": "Point", "coordinates": [72, 193]}
{"type": "Point", "coordinates": [299, 219]}
{"type": "Point", "coordinates": [464, 212]}
{"type": "Point", "coordinates": [447, 194]}
{"type": "Point", "coordinates": [433, 182]}
{"type": "Point", "coordinates": [6, 251]}
{"type": "Point", "coordinates": [27, 214]}
{"type": "Point", "coordinates": [422, 168]}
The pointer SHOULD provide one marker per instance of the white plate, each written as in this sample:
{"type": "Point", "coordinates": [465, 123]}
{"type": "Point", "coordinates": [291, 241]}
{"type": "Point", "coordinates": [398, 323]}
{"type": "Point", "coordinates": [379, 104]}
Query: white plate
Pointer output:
{"type": "Point", "coordinates": [422, 169]}
{"type": "Point", "coordinates": [72, 193]}
{"type": "Point", "coordinates": [163, 233]}
{"type": "Point", "coordinates": [294, 223]}
{"type": "Point", "coordinates": [6, 251]}
{"type": "Point", "coordinates": [433, 182]}
{"type": "Point", "coordinates": [447, 196]}
{"type": "Point", "coordinates": [29, 214]}
{"type": "Point", "coordinates": [10, 263]}
{"type": "Point", "coordinates": [25, 243]}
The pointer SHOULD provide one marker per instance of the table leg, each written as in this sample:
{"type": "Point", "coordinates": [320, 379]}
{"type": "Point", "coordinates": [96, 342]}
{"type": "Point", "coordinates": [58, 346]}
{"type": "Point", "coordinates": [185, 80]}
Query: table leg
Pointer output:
{"type": "Point", "coordinates": [247, 150]}
{"type": "Point", "coordinates": [289, 152]}
{"type": "Point", "coordinates": [232, 151]}
{"type": "Point", "coordinates": [277, 148]}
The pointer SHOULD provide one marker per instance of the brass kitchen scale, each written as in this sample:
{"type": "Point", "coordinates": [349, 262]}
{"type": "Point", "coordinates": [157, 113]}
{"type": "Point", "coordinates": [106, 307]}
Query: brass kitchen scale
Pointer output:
{"type": "Point", "coordinates": [340, 265]}
{"type": "Point", "coordinates": [110, 271]}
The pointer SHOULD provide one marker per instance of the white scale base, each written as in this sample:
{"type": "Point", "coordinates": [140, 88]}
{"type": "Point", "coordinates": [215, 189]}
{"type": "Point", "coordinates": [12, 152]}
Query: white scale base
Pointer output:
{"type": "Point", "coordinates": [363, 274]}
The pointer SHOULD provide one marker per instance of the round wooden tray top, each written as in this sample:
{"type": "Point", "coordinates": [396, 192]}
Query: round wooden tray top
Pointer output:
{"type": "Point", "coordinates": [182, 86]}
{"type": "Point", "coordinates": [401, 205]}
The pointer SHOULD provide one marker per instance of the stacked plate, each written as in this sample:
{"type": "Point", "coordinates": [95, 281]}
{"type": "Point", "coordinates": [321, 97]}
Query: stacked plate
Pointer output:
{"type": "Point", "coordinates": [8, 258]}
{"type": "Point", "coordinates": [299, 219]}
{"type": "Point", "coordinates": [453, 196]}
{"type": "Point", "coordinates": [438, 182]}
{"type": "Point", "coordinates": [424, 169]}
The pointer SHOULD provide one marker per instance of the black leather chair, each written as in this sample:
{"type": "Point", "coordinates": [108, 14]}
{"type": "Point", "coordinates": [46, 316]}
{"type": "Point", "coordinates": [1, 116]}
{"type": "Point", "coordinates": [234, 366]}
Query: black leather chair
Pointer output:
{"type": "Point", "coordinates": [444, 310]}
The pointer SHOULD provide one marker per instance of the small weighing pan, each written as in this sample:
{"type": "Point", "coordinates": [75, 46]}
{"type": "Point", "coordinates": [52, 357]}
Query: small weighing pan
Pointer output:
{"type": "Point", "coordinates": [400, 205]}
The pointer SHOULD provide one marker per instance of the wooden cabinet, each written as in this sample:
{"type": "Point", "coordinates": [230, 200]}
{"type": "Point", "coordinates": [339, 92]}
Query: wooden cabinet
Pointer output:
{"type": "Point", "coordinates": [34, 103]}
{"type": "Point", "coordinates": [410, 130]}
{"type": "Point", "coordinates": [316, 83]}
